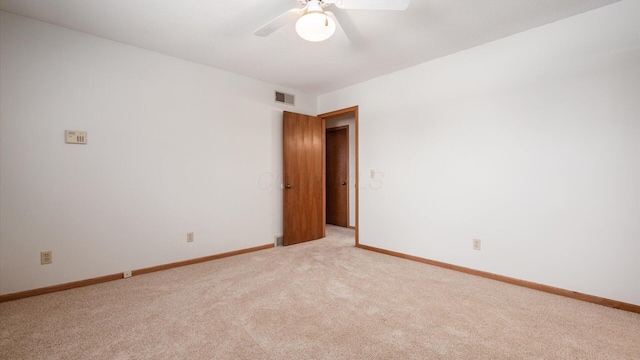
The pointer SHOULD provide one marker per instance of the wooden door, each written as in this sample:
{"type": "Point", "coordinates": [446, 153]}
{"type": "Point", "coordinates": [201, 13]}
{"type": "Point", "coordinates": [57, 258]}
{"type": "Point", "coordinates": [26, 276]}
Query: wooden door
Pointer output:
{"type": "Point", "coordinates": [304, 178]}
{"type": "Point", "coordinates": [338, 176]}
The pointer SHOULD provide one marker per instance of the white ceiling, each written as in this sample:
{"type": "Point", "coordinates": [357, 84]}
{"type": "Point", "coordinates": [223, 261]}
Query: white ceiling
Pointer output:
{"type": "Point", "coordinates": [219, 33]}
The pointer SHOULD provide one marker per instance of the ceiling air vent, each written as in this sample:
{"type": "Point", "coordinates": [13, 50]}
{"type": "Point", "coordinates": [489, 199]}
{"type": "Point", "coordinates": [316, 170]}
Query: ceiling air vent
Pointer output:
{"type": "Point", "coordinates": [285, 98]}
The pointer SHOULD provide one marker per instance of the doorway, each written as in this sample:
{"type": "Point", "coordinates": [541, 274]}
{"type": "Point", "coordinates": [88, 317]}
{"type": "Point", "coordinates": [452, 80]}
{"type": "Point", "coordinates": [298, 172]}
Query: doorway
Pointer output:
{"type": "Point", "coordinates": [304, 175]}
{"type": "Point", "coordinates": [348, 116]}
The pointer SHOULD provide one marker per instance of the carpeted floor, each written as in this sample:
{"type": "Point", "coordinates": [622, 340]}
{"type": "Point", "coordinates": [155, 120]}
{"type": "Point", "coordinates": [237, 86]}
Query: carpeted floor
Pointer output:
{"type": "Point", "coordinates": [324, 299]}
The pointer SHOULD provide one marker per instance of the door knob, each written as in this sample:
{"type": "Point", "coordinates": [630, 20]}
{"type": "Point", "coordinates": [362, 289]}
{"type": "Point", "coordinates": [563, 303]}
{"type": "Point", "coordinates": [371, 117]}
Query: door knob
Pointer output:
{"type": "Point", "coordinates": [288, 186]}
{"type": "Point", "coordinates": [344, 183]}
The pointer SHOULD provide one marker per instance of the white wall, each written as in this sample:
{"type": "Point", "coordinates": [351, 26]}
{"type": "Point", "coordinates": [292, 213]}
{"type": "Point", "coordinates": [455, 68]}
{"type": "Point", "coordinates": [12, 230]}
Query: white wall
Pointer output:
{"type": "Point", "coordinates": [349, 120]}
{"type": "Point", "coordinates": [173, 147]}
{"type": "Point", "coordinates": [530, 143]}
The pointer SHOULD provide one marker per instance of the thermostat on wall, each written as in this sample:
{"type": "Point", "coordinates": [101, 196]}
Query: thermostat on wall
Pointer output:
{"type": "Point", "coordinates": [75, 137]}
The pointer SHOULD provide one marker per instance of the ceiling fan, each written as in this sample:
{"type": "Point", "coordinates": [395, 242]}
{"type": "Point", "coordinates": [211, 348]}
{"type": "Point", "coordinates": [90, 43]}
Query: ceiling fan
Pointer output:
{"type": "Point", "coordinates": [315, 24]}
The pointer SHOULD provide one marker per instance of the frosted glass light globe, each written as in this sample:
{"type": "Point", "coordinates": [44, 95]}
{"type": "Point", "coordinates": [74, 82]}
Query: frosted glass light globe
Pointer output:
{"type": "Point", "coordinates": [315, 26]}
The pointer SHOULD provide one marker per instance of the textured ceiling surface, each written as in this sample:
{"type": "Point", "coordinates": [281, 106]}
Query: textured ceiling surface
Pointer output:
{"type": "Point", "coordinates": [370, 44]}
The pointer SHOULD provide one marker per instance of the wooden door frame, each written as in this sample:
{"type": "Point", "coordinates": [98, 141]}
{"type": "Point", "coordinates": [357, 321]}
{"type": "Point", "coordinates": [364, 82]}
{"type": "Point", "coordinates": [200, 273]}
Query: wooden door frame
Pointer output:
{"type": "Point", "coordinates": [350, 110]}
{"type": "Point", "coordinates": [339, 128]}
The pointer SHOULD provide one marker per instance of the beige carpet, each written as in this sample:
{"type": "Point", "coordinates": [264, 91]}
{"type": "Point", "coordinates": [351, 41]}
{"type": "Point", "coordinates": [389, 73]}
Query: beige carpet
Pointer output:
{"type": "Point", "coordinates": [319, 300]}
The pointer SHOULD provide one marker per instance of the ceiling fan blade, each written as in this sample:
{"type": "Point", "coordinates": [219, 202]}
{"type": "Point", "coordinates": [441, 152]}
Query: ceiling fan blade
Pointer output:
{"type": "Point", "coordinates": [372, 4]}
{"type": "Point", "coordinates": [335, 19]}
{"type": "Point", "coordinates": [347, 31]}
{"type": "Point", "coordinates": [277, 23]}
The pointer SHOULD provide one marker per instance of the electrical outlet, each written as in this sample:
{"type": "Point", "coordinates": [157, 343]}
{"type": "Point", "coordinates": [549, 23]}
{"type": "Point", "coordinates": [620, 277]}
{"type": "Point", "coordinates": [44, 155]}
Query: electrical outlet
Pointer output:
{"type": "Point", "coordinates": [126, 274]}
{"type": "Point", "coordinates": [46, 257]}
{"type": "Point", "coordinates": [189, 237]}
{"type": "Point", "coordinates": [477, 244]}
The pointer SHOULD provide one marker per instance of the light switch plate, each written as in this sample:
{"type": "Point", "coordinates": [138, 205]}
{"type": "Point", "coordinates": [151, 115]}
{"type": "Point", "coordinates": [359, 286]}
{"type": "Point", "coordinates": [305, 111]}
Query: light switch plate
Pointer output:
{"type": "Point", "coordinates": [75, 137]}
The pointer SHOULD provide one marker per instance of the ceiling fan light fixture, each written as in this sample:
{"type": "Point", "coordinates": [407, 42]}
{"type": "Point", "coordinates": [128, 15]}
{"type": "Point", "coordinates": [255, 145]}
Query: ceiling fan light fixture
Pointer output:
{"type": "Point", "coordinates": [315, 26]}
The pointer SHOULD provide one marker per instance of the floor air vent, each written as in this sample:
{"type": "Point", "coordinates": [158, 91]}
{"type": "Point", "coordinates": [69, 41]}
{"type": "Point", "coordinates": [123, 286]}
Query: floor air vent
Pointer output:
{"type": "Point", "coordinates": [285, 98]}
